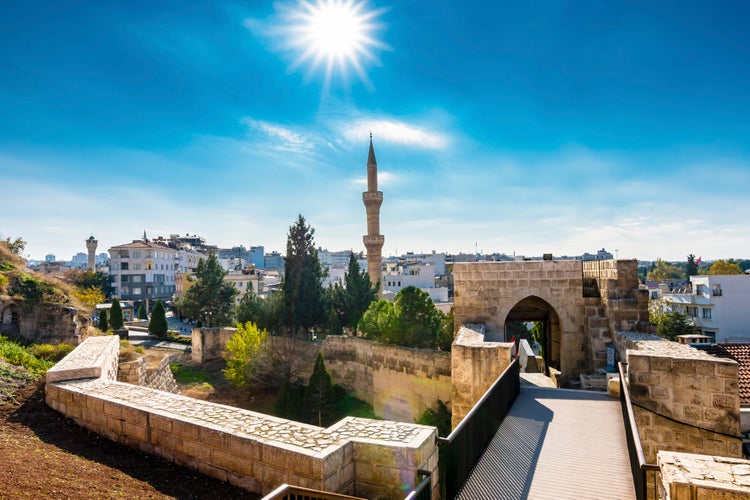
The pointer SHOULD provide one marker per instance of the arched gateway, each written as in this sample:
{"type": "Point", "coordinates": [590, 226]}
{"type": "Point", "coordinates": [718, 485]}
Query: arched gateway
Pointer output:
{"type": "Point", "coordinates": [580, 303]}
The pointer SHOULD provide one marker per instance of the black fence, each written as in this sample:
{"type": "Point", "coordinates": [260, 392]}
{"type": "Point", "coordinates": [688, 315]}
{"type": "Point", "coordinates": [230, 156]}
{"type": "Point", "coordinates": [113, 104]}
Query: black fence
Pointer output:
{"type": "Point", "coordinates": [463, 447]}
{"type": "Point", "coordinates": [423, 491]}
{"type": "Point", "coordinates": [641, 470]}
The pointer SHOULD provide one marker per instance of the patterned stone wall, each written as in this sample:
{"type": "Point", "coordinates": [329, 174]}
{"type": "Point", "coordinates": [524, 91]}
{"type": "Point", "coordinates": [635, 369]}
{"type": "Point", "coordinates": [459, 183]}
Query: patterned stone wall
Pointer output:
{"type": "Point", "coordinates": [684, 399]}
{"type": "Point", "coordinates": [373, 459]}
{"type": "Point", "coordinates": [690, 476]}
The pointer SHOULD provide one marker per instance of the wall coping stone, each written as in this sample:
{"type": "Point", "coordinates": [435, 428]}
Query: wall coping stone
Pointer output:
{"type": "Point", "coordinates": [473, 335]}
{"type": "Point", "coordinates": [685, 475]}
{"type": "Point", "coordinates": [91, 359]}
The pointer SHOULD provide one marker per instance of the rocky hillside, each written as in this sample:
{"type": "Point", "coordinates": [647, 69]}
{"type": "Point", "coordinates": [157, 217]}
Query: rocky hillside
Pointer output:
{"type": "Point", "coordinates": [35, 308]}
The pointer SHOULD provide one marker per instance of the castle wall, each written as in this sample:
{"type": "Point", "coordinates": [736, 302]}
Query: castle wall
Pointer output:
{"type": "Point", "coordinates": [476, 364]}
{"type": "Point", "coordinates": [255, 451]}
{"type": "Point", "coordinates": [684, 399]}
{"type": "Point", "coordinates": [399, 382]}
{"type": "Point", "coordinates": [485, 292]}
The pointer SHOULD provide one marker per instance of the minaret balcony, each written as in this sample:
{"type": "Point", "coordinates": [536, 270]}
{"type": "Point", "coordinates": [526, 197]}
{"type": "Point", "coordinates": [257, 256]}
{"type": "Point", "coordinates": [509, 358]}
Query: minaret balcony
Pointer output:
{"type": "Point", "coordinates": [373, 240]}
{"type": "Point", "coordinates": [372, 196]}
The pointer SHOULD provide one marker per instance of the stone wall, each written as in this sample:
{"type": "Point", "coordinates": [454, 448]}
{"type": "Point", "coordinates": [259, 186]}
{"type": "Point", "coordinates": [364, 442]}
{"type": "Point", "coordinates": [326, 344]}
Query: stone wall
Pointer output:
{"type": "Point", "coordinates": [41, 323]}
{"type": "Point", "coordinates": [399, 382]}
{"type": "Point", "coordinates": [486, 292]}
{"type": "Point", "coordinates": [585, 301]}
{"type": "Point", "coordinates": [149, 370]}
{"type": "Point", "coordinates": [475, 365]}
{"type": "Point", "coordinates": [689, 477]}
{"type": "Point", "coordinates": [684, 399]}
{"type": "Point", "coordinates": [373, 459]}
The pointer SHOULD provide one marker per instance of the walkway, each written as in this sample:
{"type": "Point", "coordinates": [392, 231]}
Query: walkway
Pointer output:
{"type": "Point", "coordinates": [555, 443]}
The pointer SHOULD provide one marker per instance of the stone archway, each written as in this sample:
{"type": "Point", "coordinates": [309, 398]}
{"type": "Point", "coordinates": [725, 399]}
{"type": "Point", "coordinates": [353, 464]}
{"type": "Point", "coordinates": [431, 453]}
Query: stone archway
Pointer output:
{"type": "Point", "coordinates": [536, 309]}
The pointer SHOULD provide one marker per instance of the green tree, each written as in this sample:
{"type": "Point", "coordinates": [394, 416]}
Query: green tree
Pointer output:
{"type": "Point", "coordinates": [242, 353]}
{"type": "Point", "coordinates": [334, 324]}
{"type": "Point", "coordinates": [378, 321]}
{"type": "Point", "coordinates": [87, 278]}
{"type": "Point", "coordinates": [445, 337]}
{"type": "Point", "coordinates": [142, 311]}
{"type": "Point", "coordinates": [418, 321]}
{"type": "Point", "coordinates": [675, 323]}
{"type": "Point", "coordinates": [664, 271]}
{"type": "Point", "coordinates": [724, 267]}
{"type": "Point", "coordinates": [692, 267]}
{"type": "Point", "coordinates": [103, 325]}
{"type": "Point", "coordinates": [319, 402]}
{"type": "Point", "coordinates": [412, 320]}
{"type": "Point", "coordinates": [289, 400]}
{"type": "Point", "coordinates": [301, 288]}
{"type": "Point", "coordinates": [264, 312]}
{"type": "Point", "coordinates": [158, 324]}
{"type": "Point", "coordinates": [16, 246]}
{"type": "Point", "coordinates": [353, 299]}
{"type": "Point", "coordinates": [90, 296]}
{"type": "Point", "coordinates": [210, 299]}
{"type": "Point", "coordinates": [115, 315]}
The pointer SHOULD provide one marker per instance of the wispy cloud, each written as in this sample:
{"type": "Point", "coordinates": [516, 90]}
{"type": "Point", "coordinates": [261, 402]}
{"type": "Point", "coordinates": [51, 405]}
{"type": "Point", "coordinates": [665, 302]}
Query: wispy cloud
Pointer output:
{"type": "Point", "coordinates": [384, 179]}
{"type": "Point", "coordinates": [395, 131]}
{"type": "Point", "coordinates": [281, 138]}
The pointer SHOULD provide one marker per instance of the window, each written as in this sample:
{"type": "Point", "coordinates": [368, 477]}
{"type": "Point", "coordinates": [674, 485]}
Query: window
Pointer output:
{"type": "Point", "coordinates": [693, 312]}
{"type": "Point", "coordinates": [654, 294]}
{"type": "Point", "coordinates": [125, 290]}
{"type": "Point", "coordinates": [124, 266]}
{"type": "Point", "coordinates": [699, 290]}
{"type": "Point", "coordinates": [149, 290]}
{"type": "Point", "coordinates": [716, 290]}
{"type": "Point", "coordinates": [136, 279]}
{"type": "Point", "coordinates": [136, 255]}
{"type": "Point", "coordinates": [137, 291]}
{"type": "Point", "coordinates": [706, 313]}
{"type": "Point", "coordinates": [125, 278]}
{"type": "Point", "coordinates": [137, 267]}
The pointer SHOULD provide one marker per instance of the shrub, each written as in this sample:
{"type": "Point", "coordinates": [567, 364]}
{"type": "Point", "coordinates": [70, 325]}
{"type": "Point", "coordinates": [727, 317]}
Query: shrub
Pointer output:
{"type": "Point", "coordinates": [51, 352]}
{"type": "Point", "coordinates": [16, 354]}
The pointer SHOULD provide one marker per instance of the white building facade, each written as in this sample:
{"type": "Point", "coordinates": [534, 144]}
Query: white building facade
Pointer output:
{"type": "Point", "coordinates": [719, 305]}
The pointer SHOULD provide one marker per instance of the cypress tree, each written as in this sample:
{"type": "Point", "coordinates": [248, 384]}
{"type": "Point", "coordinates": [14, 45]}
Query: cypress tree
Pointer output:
{"type": "Point", "coordinates": [115, 315]}
{"type": "Point", "coordinates": [158, 324]}
{"type": "Point", "coordinates": [103, 325]}
{"type": "Point", "coordinates": [318, 401]}
{"type": "Point", "coordinates": [142, 312]}
{"type": "Point", "coordinates": [302, 289]}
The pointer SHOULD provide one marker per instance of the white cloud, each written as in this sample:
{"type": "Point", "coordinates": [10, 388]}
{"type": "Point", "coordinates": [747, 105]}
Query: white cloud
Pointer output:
{"type": "Point", "coordinates": [281, 138]}
{"type": "Point", "coordinates": [394, 131]}
{"type": "Point", "coordinates": [384, 179]}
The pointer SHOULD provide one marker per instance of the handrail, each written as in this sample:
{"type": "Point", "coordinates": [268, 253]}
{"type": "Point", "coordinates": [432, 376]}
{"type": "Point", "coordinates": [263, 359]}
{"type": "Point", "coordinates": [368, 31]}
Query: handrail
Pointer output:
{"type": "Point", "coordinates": [639, 466]}
{"type": "Point", "coordinates": [462, 448]}
{"type": "Point", "coordinates": [422, 491]}
{"type": "Point", "coordinates": [464, 421]}
{"type": "Point", "coordinates": [291, 492]}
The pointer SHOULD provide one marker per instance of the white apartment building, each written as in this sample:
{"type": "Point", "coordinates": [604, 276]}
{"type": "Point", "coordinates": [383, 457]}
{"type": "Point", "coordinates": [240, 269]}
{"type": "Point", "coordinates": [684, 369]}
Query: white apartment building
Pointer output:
{"type": "Point", "coordinates": [422, 276]}
{"type": "Point", "coordinates": [719, 305]}
{"type": "Point", "coordinates": [142, 270]}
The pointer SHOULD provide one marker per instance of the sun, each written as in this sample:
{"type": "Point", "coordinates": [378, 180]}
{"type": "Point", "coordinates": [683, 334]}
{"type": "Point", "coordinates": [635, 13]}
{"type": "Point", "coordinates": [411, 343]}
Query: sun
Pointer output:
{"type": "Point", "coordinates": [337, 35]}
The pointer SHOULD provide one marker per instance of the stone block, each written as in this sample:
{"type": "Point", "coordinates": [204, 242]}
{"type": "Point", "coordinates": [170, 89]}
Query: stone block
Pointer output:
{"type": "Point", "coordinates": [231, 463]}
{"type": "Point", "coordinates": [134, 416]}
{"type": "Point", "coordinates": [186, 430]}
{"type": "Point", "coordinates": [212, 471]}
{"type": "Point", "coordinates": [246, 483]}
{"type": "Point", "coordinates": [135, 431]}
{"type": "Point", "coordinates": [725, 402]}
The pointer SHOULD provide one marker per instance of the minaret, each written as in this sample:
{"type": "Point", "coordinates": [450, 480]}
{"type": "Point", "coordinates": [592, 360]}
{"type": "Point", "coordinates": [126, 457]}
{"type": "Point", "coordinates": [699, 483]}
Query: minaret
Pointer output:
{"type": "Point", "coordinates": [373, 199]}
{"type": "Point", "coordinates": [91, 247]}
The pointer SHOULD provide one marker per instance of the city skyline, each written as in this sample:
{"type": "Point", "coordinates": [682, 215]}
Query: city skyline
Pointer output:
{"type": "Point", "coordinates": [526, 129]}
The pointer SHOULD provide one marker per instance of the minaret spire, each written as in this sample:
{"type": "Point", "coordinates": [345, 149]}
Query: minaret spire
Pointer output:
{"type": "Point", "coordinates": [372, 199]}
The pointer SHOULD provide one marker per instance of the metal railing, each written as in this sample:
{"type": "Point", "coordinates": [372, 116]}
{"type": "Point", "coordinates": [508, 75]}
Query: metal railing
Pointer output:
{"type": "Point", "coordinates": [640, 469]}
{"type": "Point", "coordinates": [463, 447]}
{"type": "Point", "coordinates": [290, 492]}
{"type": "Point", "coordinates": [423, 490]}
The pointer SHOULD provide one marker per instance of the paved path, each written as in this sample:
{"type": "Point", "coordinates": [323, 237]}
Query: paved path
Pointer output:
{"type": "Point", "coordinates": [555, 444]}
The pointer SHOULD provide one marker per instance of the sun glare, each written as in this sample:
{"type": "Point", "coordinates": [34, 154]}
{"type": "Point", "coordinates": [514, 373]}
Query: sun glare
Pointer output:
{"type": "Point", "coordinates": [336, 34]}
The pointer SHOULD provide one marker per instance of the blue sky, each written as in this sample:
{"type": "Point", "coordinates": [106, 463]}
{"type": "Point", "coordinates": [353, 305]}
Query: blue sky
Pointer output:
{"type": "Point", "coordinates": [524, 127]}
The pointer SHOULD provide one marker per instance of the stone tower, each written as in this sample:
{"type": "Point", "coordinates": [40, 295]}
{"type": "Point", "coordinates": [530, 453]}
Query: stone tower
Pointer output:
{"type": "Point", "coordinates": [373, 199]}
{"type": "Point", "coordinates": [91, 247]}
